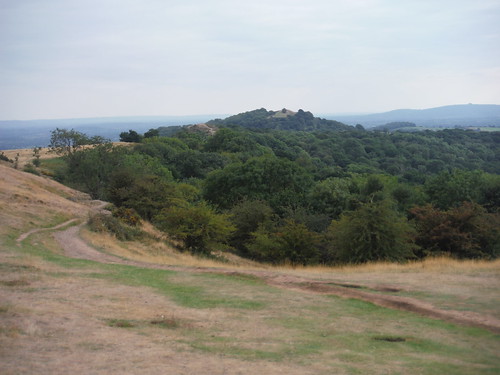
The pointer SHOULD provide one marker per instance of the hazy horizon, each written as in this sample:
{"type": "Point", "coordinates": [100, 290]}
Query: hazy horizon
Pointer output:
{"type": "Point", "coordinates": [63, 59]}
{"type": "Point", "coordinates": [210, 116]}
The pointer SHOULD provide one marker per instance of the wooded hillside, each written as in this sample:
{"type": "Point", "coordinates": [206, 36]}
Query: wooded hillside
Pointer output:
{"type": "Point", "coordinates": [317, 196]}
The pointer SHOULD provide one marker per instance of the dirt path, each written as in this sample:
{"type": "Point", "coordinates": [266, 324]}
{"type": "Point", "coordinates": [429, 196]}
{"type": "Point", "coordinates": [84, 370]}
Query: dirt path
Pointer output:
{"type": "Point", "coordinates": [75, 247]}
{"type": "Point", "coordinates": [23, 236]}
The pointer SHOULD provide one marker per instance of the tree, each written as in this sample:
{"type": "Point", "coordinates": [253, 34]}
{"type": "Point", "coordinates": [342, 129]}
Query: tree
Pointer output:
{"type": "Point", "coordinates": [373, 232]}
{"type": "Point", "coordinates": [247, 216]}
{"type": "Point", "coordinates": [331, 196]}
{"type": "Point", "coordinates": [130, 136]}
{"type": "Point", "coordinates": [292, 242]}
{"type": "Point", "coordinates": [152, 133]}
{"type": "Point", "coordinates": [67, 142]}
{"type": "Point", "coordinates": [147, 194]}
{"type": "Point", "coordinates": [450, 189]}
{"type": "Point", "coordinates": [93, 169]}
{"type": "Point", "coordinates": [466, 231]}
{"type": "Point", "coordinates": [197, 225]}
{"type": "Point", "coordinates": [36, 154]}
{"type": "Point", "coordinates": [89, 169]}
{"type": "Point", "coordinates": [277, 181]}
{"type": "Point", "coordinates": [298, 244]}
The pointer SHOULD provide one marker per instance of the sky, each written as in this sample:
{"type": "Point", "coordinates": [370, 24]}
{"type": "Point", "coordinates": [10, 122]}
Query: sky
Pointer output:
{"type": "Point", "coordinates": [97, 58]}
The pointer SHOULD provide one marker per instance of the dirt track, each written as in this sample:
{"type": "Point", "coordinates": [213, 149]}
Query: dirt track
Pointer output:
{"type": "Point", "coordinates": [75, 247]}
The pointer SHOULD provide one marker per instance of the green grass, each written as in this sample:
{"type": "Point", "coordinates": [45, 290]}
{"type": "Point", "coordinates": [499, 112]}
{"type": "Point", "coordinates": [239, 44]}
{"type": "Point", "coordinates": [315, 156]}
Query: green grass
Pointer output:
{"type": "Point", "coordinates": [443, 301]}
{"type": "Point", "coordinates": [194, 296]}
{"type": "Point", "coordinates": [54, 167]}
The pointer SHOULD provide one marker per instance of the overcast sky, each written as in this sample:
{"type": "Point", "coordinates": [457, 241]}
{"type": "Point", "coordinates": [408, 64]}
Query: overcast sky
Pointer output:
{"type": "Point", "coordinates": [92, 58]}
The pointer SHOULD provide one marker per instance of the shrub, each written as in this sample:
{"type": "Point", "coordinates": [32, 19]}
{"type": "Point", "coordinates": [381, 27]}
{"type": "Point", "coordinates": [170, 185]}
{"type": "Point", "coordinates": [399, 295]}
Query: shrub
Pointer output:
{"type": "Point", "coordinates": [372, 232]}
{"type": "Point", "coordinates": [109, 224]}
{"type": "Point", "coordinates": [466, 231]}
{"type": "Point", "coordinates": [128, 216]}
{"type": "Point", "coordinates": [198, 226]}
{"type": "Point", "coordinates": [5, 158]}
{"type": "Point", "coordinates": [30, 168]}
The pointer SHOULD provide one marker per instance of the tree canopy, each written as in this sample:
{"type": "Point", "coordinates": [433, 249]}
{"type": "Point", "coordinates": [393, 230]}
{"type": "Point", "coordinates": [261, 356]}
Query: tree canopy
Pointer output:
{"type": "Point", "coordinates": [317, 192]}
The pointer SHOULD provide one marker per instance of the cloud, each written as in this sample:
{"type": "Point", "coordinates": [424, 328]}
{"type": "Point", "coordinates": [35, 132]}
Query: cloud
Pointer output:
{"type": "Point", "coordinates": [225, 56]}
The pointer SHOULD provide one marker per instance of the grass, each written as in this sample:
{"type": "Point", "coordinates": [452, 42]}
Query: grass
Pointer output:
{"type": "Point", "coordinates": [262, 323]}
{"type": "Point", "coordinates": [193, 294]}
{"type": "Point", "coordinates": [290, 327]}
{"type": "Point", "coordinates": [435, 264]}
{"type": "Point", "coordinates": [315, 338]}
{"type": "Point", "coordinates": [155, 248]}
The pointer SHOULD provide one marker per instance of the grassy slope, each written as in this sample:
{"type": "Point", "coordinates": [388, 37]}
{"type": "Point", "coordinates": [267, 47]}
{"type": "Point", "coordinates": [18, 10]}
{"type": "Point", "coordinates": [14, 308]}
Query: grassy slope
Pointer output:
{"type": "Point", "coordinates": [61, 315]}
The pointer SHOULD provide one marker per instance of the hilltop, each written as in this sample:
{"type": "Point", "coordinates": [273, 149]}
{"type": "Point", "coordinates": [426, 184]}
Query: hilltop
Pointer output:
{"type": "Point", "coordinates": [280, 120]}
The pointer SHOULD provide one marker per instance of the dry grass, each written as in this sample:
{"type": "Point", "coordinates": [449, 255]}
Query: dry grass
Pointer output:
{"type": "Point", "coordinates": [26, 155]}
{"type": "Point", "coordinates": [163, 250]}
{"type": "Point", "coordinates": [436, 264]}
{"type": "Point", "coordinates": [158, 251]}
{"type": "Point", "coordinates": [29, 201]}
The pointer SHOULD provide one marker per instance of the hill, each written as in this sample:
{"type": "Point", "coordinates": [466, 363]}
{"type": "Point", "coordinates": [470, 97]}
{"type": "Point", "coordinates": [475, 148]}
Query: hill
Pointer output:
{"type": "Point", "coordinates": [465, 115]}
{"type": "Point", "coordinates": [280, 120]}
{"type": "Point", "coordinates": [63, 311]}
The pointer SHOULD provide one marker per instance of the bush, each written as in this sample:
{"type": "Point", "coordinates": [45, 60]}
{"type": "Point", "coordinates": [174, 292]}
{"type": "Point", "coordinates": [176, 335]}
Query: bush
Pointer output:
{"type": "Point", "coordinates": [30, 168]}
{"type": "Point", "coordinates": [371, 233]}
{"type": "Point", "coordinates": [103, 223]}
{"type": "Point", "coordinates": [5, 158]}
{"type": "Point", "coordinates": [198, 226]}
{"type": "Point", "coordinates": [291, 243]}
{"type": "Point", "coordinates": [128, 216]}
{"type": "Point", "coordinates": [467, 231]}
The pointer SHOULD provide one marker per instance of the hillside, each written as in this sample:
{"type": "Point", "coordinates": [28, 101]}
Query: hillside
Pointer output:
{"type": "Point", "coordinates": [300, 197]}
{"type": "Point", "coordinates": [465, 115]}
{"type": "Point", "coordinates": [62, 315]}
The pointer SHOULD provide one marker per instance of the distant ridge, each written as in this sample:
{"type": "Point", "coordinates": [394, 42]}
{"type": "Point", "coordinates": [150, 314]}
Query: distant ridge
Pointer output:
{"type": "Point", "coordinates": [461, 115]}
{"type": "Point", "coordinates": [16, 134]}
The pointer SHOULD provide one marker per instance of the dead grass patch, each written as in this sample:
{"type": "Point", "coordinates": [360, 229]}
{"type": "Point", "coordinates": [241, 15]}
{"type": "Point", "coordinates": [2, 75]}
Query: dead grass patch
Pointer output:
{"type": "Point", "coordinates": [390, 338]}
{"type": "Point", "coordinates": [25, 155]}
{"type": "Point", "coordinates": [166, 322]}
{"type": "Point", "coordinates": [14, 283]}
{"type": "Point", "coordinates": [121, 323]}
